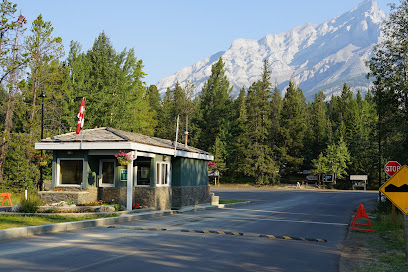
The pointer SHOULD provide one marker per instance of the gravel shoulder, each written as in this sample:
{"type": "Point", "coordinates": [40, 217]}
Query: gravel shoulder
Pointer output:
{"type": "Point", "coordinates": [371, 251]}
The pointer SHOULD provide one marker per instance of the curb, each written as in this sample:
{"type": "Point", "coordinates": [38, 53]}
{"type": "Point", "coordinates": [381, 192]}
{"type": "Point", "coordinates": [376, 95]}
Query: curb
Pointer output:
{"type": "Point", "coordinates": [222, 206]}
{"type": "Point", "coordinates": [20, 232]}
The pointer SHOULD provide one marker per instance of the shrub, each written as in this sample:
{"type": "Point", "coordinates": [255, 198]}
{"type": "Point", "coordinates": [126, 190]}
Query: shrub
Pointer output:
{"type": "Point", "coordinates": [29, 205]}
{"type": "Point", "coordinates": [118, 208]}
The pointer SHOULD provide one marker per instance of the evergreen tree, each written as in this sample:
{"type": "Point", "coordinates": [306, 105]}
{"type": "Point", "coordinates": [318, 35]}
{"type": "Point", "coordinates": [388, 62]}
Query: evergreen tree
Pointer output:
{"type": "Point", "coordinates": [165, 128]}
{"type": "Point", "coordinates": [214, 106]}
{"type": "Point", "coordinates": [12, 61]}
{"type": "Point", "coordinates": [112, 84]}
{"type": "Point", "coordinates": [176, 102]}
{"type": "Point", "coordinates": [45, 72]}
{"type": "Point", "coordinates": [276, 109]}
{"type": "Point", "coordinates": [219, 150]}
{"type": "Point", "coordinates": [293, 129]}
{"type": "Point", "coordinates": [239, 132]}
{"type": "Point", "coordinates": [155, 101]}
{"type": "Point", "coordinates": [258, 154]}
{"type": "Point", "coordinates": [319, 128]}
{"type": "Point", "coordinates": [388, 67]}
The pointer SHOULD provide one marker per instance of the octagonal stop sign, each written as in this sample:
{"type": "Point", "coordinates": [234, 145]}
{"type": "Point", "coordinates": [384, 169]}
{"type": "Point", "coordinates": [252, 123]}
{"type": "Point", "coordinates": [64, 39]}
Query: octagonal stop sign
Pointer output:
{"type": "Point", "coordinates": [392, 167]}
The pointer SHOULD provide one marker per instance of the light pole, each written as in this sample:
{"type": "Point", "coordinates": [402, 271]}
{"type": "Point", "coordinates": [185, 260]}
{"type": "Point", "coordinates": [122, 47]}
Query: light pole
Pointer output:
{"type": "Point", "coordinates": [40, 184]}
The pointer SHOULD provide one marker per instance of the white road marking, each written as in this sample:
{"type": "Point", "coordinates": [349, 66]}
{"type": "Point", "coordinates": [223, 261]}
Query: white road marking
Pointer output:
{"type": "Point", "coordinates": [101, 262]}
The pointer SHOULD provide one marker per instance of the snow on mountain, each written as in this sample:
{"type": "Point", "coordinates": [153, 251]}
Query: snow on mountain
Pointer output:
{"type": "Point", "coordinates": [316, 57]}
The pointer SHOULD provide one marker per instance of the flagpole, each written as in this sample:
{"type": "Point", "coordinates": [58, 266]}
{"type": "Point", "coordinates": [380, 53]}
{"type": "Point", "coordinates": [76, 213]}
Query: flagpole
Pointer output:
{"type": "Point", "coordinates": [175, 144]}
{"type": "Point", "coordinates": [40, 184]}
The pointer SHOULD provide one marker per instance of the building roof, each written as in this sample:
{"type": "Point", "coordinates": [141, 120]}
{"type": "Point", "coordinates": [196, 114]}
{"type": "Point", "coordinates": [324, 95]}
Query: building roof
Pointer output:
{"type": "Point", "coordinates": [111, 135]}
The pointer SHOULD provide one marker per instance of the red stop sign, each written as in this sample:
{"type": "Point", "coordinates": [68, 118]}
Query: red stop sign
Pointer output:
{"type": "Point", "coordinates": [392, 167]}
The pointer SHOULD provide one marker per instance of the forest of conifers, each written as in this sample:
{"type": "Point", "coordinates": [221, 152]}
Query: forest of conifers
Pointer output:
{"type": "Point", "coordinates": [263, 136]}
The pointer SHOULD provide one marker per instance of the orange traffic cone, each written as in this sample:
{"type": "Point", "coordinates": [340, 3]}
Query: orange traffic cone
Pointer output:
{"type": "Point", "coordinates": [361, 213]}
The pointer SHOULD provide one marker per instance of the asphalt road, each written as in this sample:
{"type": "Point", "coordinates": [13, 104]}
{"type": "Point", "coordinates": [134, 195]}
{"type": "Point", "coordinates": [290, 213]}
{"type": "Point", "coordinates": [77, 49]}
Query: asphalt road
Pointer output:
{"type": "Point", "coordinates": [180, 246]}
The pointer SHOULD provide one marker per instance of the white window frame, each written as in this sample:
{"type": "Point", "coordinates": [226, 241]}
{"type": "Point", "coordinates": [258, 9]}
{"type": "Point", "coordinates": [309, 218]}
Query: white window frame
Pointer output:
{"type": "Point", "coordinates": [100, 173]}
{"type": "Point", "coordinates": [158, 177]}
{"type": "Point", "coordinates": [84, 172]}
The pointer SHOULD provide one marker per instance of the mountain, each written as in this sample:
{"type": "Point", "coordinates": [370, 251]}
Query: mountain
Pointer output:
{"type": "Point", "coordinates": [316, 57]}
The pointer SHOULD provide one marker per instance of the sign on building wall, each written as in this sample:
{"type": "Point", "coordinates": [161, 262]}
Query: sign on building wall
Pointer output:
{"type": "Point", "coordinates": [123, 174]}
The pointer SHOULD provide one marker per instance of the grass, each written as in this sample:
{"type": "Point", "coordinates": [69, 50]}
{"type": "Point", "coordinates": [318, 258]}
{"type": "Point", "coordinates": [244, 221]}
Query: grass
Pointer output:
{"type": "Point", "coordinates": [14, 221]}
{"type": "Point", "coordinates": [387, 248]}
{"type": "Point", "coordinates": [229, 201]}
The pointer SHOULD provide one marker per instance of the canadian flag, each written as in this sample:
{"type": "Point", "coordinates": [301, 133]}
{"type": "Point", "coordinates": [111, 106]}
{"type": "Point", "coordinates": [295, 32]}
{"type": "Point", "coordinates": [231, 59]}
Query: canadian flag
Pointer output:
{"type": "Point", "coordinates": [81, 114]}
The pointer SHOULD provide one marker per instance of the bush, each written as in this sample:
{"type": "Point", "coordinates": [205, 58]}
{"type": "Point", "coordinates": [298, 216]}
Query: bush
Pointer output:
{"type": "Point", "coordinates": [29, 205]}
{"type": "Point", "coordinates": [118, 208]}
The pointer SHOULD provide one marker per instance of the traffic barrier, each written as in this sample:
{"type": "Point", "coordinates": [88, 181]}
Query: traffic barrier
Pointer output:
{"type": "Point", "coordinates": [361, 213]}
{"type": "Point", "coordinates": [6, 196]}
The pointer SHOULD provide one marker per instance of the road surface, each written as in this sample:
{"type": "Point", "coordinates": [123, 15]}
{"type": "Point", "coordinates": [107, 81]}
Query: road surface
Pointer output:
{"type": "Point", "coordinates": [234, 239]}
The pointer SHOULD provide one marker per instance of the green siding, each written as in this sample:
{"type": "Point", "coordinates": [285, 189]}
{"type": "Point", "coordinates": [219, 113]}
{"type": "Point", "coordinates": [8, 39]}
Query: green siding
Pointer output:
{"type": "Point", "coordinates": [189, 172]}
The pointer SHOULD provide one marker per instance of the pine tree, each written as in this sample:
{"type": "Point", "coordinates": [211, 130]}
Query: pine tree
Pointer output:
{"type": "Point", "coordinates": [154, 99]}
{"type": "Point", "coordinates": [12, 61]}
{"type": "Point", "coordinates": [276, 109]}
{"type": "Point", "coordinates": [112, 84]}
{"type": "Point", "coordinates": [239, 132]}
{"type": "Point", "coordinates": [258, 155]}
{"type": "Point", "coordinates": [214, 106]}
{"type": "Point", "coordinates": [45, 71]}
{"type": "Point", "coordinates": [176, 102]}
{"type": "Point", "coordinates": [293, 129]}
{"type": "Point", "coordinates": [389, 67]}
{"type": "Point", "coordinates": [318, 132]}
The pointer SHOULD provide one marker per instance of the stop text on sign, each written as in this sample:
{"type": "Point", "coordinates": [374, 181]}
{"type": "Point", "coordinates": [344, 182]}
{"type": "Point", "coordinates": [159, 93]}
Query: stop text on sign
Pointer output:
{"type": "Point", "coordinates": [392, 167]}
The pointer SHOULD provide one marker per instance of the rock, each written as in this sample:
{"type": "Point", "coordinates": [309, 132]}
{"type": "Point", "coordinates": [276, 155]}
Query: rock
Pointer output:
{"type": "Point", "coordinates": [15, 208]}
{"type": "Point", "coordinates": [107, 209]}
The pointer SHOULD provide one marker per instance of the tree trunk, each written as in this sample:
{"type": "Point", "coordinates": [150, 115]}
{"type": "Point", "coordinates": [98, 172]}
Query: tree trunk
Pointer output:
{"type": "Point", "coordinates": [8, 124]}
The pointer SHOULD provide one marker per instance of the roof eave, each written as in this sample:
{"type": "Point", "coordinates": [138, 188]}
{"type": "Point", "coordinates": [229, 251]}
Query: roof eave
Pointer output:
{"type": "Point", "coordinates": [120, 145]}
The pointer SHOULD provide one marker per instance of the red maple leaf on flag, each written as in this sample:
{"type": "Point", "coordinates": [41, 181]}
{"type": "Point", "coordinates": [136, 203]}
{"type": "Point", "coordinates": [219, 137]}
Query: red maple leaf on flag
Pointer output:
{"type": "Point", "coordinates": [81, 114]}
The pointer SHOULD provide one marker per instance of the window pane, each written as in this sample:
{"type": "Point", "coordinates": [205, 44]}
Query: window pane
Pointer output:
{"type": "Point", "coordinates": [71, 172]}
{"type": "Point", "coordinates": [164, 174]}
{"type": "Point", "coordinates": [108, 173]}
{"type": "Point", "coordinates": [158, 173]}
{"type": "Point", "coordinates": [143, 173]}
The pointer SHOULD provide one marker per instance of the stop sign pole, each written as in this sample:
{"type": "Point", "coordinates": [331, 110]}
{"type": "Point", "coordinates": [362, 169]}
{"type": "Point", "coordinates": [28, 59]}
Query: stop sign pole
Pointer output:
{"type": "Point", "coordinates": [390, 169]}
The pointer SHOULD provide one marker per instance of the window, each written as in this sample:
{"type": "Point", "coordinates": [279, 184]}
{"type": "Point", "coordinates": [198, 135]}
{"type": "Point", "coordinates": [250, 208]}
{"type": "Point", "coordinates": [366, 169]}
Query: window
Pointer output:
{"type": "Point", "coordinates": [70, 172]}
{"type": "Point", "coordinates": [107, 173]}
{"type": "Point", "coordinates": [143, 173]}
{"type": "Point", "coordinates": [162, 173]}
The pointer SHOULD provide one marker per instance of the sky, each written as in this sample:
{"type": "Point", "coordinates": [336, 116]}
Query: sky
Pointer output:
{"type": "Point", "coordinates": [168, 35]}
